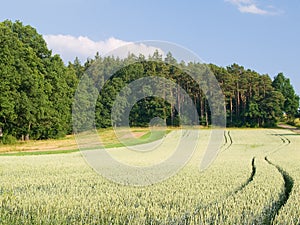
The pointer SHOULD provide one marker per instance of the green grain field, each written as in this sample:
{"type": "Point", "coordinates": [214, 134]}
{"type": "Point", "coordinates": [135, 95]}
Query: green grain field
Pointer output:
{"type": "Point", "coordinates": [255, 179]}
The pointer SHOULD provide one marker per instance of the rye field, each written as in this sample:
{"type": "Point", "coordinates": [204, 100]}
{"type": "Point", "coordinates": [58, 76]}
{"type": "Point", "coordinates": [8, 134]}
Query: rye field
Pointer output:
{"type": "Point", "coordinates": [255, 179]}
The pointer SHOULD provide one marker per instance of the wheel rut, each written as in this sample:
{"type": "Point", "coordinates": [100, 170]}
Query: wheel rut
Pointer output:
{"type": "Point", "coordinates": [274, 209]}
{"type": "Point", "coordinates": [186, 218]}
{"type": "Point", "coordinates": [285, 142]}
{"type": "Point", "coordinates": [284, 196]}
{"type": "Point", "coordinates": [228, 141]}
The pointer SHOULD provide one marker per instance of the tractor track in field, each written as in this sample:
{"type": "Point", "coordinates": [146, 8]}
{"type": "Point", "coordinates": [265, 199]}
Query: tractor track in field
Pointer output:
{"type": "Point", "coordinates": [285, 142]}
{"type": "Point", "coordinates": [283, 138]}
{"type": "Point", "coordinates": [187, 217]}
{"type": "Point", "coordinates": [273, 211]}
{"type": "Point", "coordinates": [228, 141]}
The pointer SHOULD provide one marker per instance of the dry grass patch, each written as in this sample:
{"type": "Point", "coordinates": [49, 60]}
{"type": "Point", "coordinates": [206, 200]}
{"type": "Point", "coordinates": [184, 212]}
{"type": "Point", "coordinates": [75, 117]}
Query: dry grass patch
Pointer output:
{"type": "Point", "coordinates": [108, 138]}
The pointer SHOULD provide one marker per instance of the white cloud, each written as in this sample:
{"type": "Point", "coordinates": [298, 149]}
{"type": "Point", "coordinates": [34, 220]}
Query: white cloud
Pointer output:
{"type": "Point", "coordinates": [250, 6]}
{"type": "Point", "coordinates": [236, 2]}
{"type": "Point", "coordinates": [252, 9]}
{"type": "Point", "coordinates": [68, 47]}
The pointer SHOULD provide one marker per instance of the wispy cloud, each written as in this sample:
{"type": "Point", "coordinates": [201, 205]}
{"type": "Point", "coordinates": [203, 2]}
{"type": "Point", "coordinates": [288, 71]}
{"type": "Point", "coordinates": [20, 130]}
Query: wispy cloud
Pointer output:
{"type": "Point", "coordinates": [250, 6]}
{"type": "Point", "coordinates": [69, 47]}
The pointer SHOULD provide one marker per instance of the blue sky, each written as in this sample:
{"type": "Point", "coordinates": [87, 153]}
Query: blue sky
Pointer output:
{"type": "Point", "coordinates": [263, 35]}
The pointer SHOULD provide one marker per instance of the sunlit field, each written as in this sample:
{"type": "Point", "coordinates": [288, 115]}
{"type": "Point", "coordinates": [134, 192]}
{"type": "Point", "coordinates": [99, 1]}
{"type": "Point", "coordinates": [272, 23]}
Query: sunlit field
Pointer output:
{"type": "Point", "coordinates": [255, 179]}
{"type": "Point", "coordinates": [68, 144]}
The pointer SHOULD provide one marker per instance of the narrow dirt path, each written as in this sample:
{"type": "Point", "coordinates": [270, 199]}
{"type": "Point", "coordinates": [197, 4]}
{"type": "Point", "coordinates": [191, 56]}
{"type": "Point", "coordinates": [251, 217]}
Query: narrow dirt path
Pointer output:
{"type": "Point", "coordinates": [289, 127]}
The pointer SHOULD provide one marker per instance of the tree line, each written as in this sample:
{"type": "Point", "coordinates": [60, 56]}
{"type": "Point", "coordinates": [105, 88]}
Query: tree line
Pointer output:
{"type": "Point", "coordinates": [37, 89]}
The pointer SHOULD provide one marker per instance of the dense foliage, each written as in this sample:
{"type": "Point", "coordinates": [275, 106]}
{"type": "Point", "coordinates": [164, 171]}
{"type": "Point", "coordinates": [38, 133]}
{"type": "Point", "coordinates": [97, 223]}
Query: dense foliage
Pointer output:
{"type": "Point", "coordinates": [37, 89]}
{"type": "Point", "coordinates": [252, 99]}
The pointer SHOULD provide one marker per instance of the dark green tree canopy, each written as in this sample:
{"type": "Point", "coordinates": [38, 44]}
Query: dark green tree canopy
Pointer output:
{"type": "Point", "coordinates": [37, 89]}
{"type": "Point", "coordinates": [291, 100]}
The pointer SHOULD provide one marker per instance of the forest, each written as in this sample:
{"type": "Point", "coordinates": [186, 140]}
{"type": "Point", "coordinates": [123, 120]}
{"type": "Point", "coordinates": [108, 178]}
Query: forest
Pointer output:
{"type": "Point", "coordinates": [37, 89]}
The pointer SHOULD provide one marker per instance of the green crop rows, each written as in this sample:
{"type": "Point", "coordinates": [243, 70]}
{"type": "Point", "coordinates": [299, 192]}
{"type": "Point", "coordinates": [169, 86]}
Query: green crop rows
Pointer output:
{"type": "Point", "coordinates": [254, 180]}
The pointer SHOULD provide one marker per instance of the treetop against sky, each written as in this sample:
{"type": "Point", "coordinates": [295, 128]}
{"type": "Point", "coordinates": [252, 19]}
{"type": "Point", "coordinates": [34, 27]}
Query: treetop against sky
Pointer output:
{"type": "Point", "coordinates": [261, 35]}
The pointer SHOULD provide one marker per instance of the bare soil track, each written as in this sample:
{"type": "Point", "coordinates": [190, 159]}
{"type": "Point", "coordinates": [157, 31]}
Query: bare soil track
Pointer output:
{"type": "Point", "coordinates": [289, 127]}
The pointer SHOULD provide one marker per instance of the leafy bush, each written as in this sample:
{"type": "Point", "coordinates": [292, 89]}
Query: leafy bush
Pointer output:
{"type": "Point", "coordinates": [9, 139]}
{"type": "Point", "coordinates": [297, 122]}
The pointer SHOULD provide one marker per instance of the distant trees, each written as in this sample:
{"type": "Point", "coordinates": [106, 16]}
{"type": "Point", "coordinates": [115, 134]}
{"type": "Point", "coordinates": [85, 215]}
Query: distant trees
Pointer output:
{"type": "Point", "coordinates": [291, 100]}
{"type": "Point", "coordinates": [37, 89]}
{"type": "Point", "coordinates": [252, 100]}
